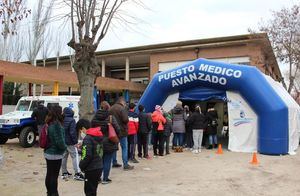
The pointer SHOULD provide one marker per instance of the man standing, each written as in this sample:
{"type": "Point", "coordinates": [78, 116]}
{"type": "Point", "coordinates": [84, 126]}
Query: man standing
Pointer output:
{"type": "Point", "coordinates": [145, 125]}
{"type": "Point", "coordinates": [119, 111]}
{"type": "Point", "coordinates": [39, 114]}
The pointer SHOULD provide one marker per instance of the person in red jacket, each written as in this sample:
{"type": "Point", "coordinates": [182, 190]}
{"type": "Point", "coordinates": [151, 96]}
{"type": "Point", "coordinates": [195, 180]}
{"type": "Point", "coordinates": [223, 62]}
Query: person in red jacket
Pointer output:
{"type": "Point", "coordinates": [133, 127]}
{"type": "Point", "coordinates": [158, 121]}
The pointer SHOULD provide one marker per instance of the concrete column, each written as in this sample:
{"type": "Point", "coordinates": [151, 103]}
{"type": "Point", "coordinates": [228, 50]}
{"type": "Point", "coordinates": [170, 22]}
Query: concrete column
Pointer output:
{"type": "Point", "coordinates": [55, 89]}
{"type": "Point", "coordinates": [103, 68]}
{"type": "Point", "coordinates": [1, 94]}
{"type": "Point", "coordinates": [127, 69]}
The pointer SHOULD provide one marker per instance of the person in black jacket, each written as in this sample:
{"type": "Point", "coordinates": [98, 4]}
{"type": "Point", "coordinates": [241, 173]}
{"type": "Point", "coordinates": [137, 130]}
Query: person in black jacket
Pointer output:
{"type": "Point", "coordinates": [71, 139]}
{"type": "Point", "coordinates": [145, 125]}
{"type": "Point", "coordinates": [39, 114]}
{"type": "Point", "coordinates": [212, 125]}
{"type": "Point", "coordinates": [101, 119]}
{"type": "Point", "coordinates": [91, 158]}
{"type": "Point", "coordinates": [198, 123]}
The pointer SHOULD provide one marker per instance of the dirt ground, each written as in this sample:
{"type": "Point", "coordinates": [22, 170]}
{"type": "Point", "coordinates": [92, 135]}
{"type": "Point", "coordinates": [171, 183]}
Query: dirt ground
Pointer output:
{"type": "Point", "coordinates": [181, 174]}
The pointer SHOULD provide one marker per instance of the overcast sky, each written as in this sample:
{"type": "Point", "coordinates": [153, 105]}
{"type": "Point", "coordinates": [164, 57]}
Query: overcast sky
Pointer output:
{"type": "Point", "coordinates": [177, 20]}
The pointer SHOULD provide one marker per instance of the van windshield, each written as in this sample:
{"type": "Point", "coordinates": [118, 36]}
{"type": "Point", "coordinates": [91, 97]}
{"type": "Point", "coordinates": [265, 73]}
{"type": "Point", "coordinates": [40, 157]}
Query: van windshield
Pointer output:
{"type": "Point", "coordinates": [23, 105]}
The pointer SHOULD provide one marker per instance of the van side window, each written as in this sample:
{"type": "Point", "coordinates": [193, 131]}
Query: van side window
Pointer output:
{"type": "Point", "coordinates": [49, 105]}
{"type": "Point", "coordinates": [35, 104]}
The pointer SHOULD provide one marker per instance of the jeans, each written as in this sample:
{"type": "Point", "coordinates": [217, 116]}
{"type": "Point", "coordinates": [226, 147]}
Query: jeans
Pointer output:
{"type": "Point", "coordinates": [124, 146]}
{"type": "Point", "coordinates": [213, 139]}
{"type": "Point", "coordinates": [72, 150]}
{"type": "Point", "coordinates": [178, 139]}
{"type": "Point", "coordinates": [53, 167]}
{"type": "Point", "coordinates": [132, 141]}
{"type": "Point", "coordinates": [197, 137]}
{"type": "Point", "coordinates": [107, 160]}
{"type": "Point", "coordinates": [91, 182]}
{"type": "Point", "coordinates": [114, 158]}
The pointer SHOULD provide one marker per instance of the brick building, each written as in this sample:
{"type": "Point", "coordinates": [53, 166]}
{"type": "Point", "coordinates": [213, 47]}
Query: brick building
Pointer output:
{"type": "Point", "coordinates": [139, 64]}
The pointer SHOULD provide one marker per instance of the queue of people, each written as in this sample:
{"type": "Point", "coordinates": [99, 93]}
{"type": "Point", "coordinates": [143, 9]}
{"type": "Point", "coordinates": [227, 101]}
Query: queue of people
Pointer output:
{"type": "Point", "coordinates": [132, 130]}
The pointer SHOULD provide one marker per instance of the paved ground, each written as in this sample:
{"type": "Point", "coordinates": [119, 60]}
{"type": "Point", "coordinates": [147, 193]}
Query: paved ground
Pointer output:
{"type": "Point", "coordinates": [176, 174]}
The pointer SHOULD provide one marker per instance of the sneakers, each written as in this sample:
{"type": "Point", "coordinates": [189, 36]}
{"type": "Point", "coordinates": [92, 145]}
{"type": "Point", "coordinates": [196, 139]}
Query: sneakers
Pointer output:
{"type": "Point", "coordinates": [128, 167]}
{"type": "Point", "coordinates": [66, 175]}
{"type": "Point", "coordinates": [117, 165]}
{"type": "Point", "coordinates": [195, 151]}
{"type": "Point", "coordinates": [79, 177]}
{"type": "Point", "coordinates": [134, 160]}
{"type": "Point", "coordinates": [106, 181]}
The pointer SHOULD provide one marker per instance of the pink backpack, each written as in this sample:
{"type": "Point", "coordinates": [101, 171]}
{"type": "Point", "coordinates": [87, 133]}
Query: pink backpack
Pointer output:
{"type": "Point", "coordinates": [43, 137]}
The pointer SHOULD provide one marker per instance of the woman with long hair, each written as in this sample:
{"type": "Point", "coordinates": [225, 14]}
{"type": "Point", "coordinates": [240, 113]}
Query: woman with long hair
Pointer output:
{"type": "Point", "coordinates": [55, 150]}
{"type": "Point", "coordinates": [198, 123]}
{"type": "Point", "coordinates": [101, 119]}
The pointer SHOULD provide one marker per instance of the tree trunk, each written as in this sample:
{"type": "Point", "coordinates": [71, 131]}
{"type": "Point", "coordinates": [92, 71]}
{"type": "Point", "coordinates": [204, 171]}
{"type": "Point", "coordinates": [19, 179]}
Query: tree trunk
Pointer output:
{"type": "Point", "coordinates": [86, 103]}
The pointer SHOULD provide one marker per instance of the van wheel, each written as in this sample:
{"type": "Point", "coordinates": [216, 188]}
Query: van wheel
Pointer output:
{"type": "Point", "coordinates": [27, 137]}
{"type": "Point", "coordinates": [3, 139]}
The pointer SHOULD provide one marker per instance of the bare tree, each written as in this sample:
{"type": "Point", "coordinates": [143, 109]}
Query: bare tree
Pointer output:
{"type": "Point", "coordinates": [46, 48]}
{"type": "Point", "coordinates": [90, 22]}
{"type": "Point", "coordinates": [11, 13]}
{"type": "Point", "coordinates": [284, 32]}
{"type": "Point", "coordinates": [40, 20]}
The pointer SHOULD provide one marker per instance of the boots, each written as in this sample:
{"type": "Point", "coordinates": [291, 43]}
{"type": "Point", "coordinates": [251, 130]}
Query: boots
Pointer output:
{"type": "Point", "coordinates": [210, 147]}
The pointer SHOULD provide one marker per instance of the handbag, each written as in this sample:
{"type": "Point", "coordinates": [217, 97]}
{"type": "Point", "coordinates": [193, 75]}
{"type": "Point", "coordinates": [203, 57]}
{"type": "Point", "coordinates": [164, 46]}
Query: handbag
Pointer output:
{"type": "Point", "coordinates": [112, 136]}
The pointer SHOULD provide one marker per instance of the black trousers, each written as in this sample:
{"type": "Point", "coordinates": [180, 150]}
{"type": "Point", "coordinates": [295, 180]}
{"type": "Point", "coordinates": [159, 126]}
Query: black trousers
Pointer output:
{"type": "Point", "coordinates": [159, 143]}
{"type": "Point", "coordinates": [91, 182]}
{"type": "Point", "coordinates": [167, 142]}
{"type": "Point", "coordinates": [143, 144]}
{"type": "Point", "coordinates": [53, 167]}
{"type": "Point", "coordinates": [189, 138]}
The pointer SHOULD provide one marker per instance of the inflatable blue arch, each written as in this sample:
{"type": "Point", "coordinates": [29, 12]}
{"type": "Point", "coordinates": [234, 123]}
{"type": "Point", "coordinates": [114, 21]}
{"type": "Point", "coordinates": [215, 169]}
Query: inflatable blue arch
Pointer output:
{"type": "Point", "coordinates": [247, 80]}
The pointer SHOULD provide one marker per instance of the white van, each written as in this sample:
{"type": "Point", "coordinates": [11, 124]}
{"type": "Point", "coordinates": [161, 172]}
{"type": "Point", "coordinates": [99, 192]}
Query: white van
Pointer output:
{"type": "Point", "coordinates": [20, 124]}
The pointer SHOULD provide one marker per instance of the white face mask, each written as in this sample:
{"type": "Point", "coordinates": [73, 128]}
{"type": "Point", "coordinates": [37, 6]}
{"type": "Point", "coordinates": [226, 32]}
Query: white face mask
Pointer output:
{"type": "Point", "coordinates": [82, 135]}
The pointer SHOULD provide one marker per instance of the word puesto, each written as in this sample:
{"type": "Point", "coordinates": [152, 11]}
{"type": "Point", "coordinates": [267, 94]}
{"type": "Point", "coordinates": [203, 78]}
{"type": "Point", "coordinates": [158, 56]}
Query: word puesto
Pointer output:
{"type": "Point", "coordinates": [188, 74]}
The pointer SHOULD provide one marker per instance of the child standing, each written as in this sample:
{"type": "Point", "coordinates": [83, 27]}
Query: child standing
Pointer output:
{"type": "Point", "coordinates": [167, 131]}
{"type": "Point", "coordinates": [158, 121]}
{"type": "Point", "coordinates": [92, 151]}
{"type": "Point", "coordinates": [133, 126]}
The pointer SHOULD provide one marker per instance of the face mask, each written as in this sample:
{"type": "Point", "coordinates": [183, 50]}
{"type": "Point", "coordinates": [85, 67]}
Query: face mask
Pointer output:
{"type": "Point", "coordinates": [82, 135]}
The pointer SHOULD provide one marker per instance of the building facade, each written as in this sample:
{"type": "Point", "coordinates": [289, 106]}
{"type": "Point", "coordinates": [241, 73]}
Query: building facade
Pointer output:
{"type": "Point", "coordinates": [139, 64]}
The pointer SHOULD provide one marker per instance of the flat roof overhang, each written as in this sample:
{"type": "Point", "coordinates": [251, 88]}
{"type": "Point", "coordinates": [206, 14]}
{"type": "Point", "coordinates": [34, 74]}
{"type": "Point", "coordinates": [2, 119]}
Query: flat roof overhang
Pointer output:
{"type": "Point", "coordinates": [25, 73]}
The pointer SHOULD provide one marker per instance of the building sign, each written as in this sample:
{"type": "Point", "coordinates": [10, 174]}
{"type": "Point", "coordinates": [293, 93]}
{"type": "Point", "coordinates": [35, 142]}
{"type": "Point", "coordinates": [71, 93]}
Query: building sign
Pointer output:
{"type": "Point", "coordinates": [207, 73]}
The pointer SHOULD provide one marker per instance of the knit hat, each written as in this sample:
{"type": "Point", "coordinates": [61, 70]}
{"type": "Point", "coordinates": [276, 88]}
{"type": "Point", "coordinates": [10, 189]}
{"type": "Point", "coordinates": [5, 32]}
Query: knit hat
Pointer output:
{"type": "Point", "coordinates": [158, 107]}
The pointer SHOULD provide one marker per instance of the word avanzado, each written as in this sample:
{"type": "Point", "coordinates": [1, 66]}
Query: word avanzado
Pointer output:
{"type": "Point", "coordinates": [188, 74]}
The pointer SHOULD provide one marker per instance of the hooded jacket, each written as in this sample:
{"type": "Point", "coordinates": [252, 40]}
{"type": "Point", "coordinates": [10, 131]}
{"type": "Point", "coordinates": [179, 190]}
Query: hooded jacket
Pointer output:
{"type": "Point", "coordinates": [39, 114]}
{"type": "Point", "coordinates": [133, 123]}
{"type": "Point", "coordinates": [197, 121]}
{"type": "Point", "coordinates": [145, 123]}
{"type": "Point", "coordinates": [121, 115]}
{"type": "Point", "coordinates": [71, 137]}
{"type": "Point", "coordinates": [211, 116]}
{"type": "Point", "coordinates": [92, 150]}
{"type": "Point", "coordinates": [157, 118]}
{"type": "Point", "coordinates": [101, 119]}
{"type": "Point", "coordinates": [178, 118]}
{"type": "Point", "coordinates": [56, 136]}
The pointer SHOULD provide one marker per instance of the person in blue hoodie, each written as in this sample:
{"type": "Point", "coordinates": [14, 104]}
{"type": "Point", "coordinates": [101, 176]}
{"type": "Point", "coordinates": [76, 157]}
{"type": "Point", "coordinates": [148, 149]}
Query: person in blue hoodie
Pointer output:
{"type": "Point", "coordinates": [71, 139]}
